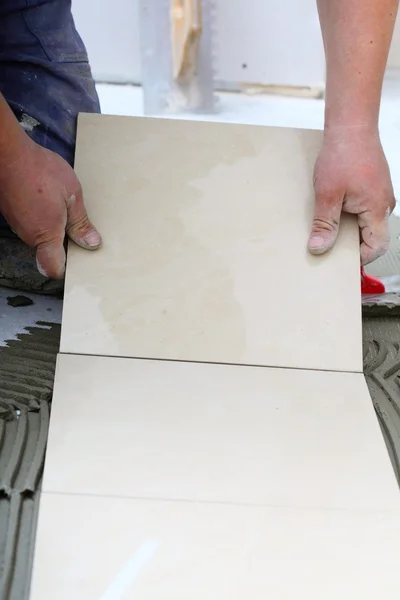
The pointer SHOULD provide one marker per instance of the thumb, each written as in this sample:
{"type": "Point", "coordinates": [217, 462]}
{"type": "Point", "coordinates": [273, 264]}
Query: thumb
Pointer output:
{"type": "Point", "coordinates": [325, 226]}
{"type": "Point", "coordinates": [79, 228]}
{"type": "Point", "coordinates": [50, 259]}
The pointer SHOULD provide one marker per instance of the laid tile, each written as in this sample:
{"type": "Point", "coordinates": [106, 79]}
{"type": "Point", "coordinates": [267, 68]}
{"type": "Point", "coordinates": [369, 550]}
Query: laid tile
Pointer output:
{"type": "Point", "coordinates": [96, 548]}
{"type": "Point", "coordinates": [205, 231]}
{"type": "Point", "coordinates": [223, 433]}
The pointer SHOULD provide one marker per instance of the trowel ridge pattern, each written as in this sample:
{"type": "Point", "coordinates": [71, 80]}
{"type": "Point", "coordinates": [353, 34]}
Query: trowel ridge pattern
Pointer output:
{"type": "Point", "coordinates": [27, 368]}
{"type": "Point", "coordinates": [382, 372]}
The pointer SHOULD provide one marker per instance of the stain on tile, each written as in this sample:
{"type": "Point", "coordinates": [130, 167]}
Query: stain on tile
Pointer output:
{"type": "Point", "coordinates": [201, 255]}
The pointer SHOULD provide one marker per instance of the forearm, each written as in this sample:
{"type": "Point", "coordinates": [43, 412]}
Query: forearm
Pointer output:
{"type": "Point", "coordinates": [357, 36]}
{"type": "Point", "coordinates": [12, 136]}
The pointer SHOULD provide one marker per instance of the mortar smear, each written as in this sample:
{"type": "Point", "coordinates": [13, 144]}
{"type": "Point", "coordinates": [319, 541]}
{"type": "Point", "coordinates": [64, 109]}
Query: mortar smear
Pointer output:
{"type": "Point", "coordinates": [27, 368]}
{"type": "Point", "coordinates": [382, 371]}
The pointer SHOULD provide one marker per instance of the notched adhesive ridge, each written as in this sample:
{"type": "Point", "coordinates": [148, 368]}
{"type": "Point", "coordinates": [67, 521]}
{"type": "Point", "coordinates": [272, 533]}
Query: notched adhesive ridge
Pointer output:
{"type": "Point", "coordinates": [382, 373]}
{"type": "Point", "coordinates": [27, 368]}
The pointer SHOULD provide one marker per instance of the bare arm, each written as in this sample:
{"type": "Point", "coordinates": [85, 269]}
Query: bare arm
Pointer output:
{"type": "Point", "coordinates": [40, 196]}
{"type": "Point", "coordinates": [357, 36]}
{"type": "Point", "coordinates": [351, 173]}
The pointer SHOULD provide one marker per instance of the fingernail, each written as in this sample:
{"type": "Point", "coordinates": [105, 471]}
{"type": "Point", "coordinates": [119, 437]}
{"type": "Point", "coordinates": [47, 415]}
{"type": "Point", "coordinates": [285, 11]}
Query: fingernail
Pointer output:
{"type": "Point", "coordinates": [92, 239]}
{"type": "Point", "coordinates": [40, 269]}
{"type": "Point", "coordinates": [316, 243]}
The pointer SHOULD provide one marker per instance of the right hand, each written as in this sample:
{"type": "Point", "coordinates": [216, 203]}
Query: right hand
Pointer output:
{"type": "Point", "coordinates": [41, 198]}
{"type": "Point", "coordinates": [352, 175]}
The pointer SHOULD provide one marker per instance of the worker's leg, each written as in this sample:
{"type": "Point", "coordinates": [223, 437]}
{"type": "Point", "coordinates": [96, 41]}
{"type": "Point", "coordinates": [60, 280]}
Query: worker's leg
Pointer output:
{"type": "Point", "coordinates": [44, 72]}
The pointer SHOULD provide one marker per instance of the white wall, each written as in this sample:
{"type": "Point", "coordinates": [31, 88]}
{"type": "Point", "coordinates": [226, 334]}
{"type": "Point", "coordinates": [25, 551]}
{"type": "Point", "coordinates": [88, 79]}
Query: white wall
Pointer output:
{"type": "Point", "coordinates": [256, 41]}
{"type": "Point", "coordinates": [110, 30]}
{"type": "Point", "coordinates": [270, 42]}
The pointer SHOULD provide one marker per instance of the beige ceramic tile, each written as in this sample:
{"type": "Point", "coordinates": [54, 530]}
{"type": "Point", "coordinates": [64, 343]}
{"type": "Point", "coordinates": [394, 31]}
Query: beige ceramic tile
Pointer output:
{"type": "Point", "coordinates": [223, 433]}
{"type": "Point", "coordinates": [94, 548]}
{"type": "Point", "coordinates": [205, 230]}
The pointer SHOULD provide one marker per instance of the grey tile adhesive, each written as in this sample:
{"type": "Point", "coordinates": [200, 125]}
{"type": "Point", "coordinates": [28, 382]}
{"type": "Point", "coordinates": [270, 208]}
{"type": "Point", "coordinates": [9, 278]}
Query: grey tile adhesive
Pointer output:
{"type": "Point", "coordinates": [27, 367]}
{"type": "Point", "coordinates": [381, 339]}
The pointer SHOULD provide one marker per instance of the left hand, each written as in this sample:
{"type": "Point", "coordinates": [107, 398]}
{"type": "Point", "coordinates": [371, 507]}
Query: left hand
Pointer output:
{"type": "Point", "coordinates": [352, 175]}
{"type": "Point", "coordinates": [41, 198]}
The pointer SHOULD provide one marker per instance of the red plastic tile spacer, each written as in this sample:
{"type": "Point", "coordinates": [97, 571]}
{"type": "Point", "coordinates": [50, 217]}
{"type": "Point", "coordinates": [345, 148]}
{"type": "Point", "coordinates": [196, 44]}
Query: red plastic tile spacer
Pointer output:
{"type": "Point", "coordinates": [371, 284]}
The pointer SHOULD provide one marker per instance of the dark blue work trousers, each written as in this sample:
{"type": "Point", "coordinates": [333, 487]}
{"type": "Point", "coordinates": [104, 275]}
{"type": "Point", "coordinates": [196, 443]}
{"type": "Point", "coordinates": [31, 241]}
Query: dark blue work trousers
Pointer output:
{"type": "Point", "coordinates": [44, 71]}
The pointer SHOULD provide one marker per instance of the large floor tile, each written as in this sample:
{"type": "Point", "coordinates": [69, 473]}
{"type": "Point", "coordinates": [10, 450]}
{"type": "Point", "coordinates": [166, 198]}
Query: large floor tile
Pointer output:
{"type": "Point", "coordinates": [205, 230]}
{"type": "Point", "coordinates": [96, 548]}
{"type": "Point", "coordinates": [195, 431]}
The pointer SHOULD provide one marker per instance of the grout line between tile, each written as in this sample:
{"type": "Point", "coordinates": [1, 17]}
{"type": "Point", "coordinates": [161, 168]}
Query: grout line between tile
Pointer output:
{"type": "Point", "coordinates": [222, 503]}
{"type": "Point", "coordinates": [202, 362]}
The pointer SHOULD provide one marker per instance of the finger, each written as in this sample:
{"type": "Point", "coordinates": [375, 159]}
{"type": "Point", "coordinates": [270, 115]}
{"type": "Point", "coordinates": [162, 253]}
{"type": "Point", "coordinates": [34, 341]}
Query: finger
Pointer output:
{"type": "Point", "coordinates": [326, 222]}
{"type": "Point", "coordinates": [50, 259]}
{"type": "Point", "coordinates": [375, 235]}
{"type": "Point", "coordinates": [79, 228]}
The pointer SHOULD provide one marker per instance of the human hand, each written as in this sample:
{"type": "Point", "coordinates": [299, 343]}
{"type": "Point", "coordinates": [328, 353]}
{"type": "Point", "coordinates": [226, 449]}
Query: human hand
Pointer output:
{"type": "Point", "coordinates": [352, 175]}
{"type": "Point", "coordinates": [41, 198]}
